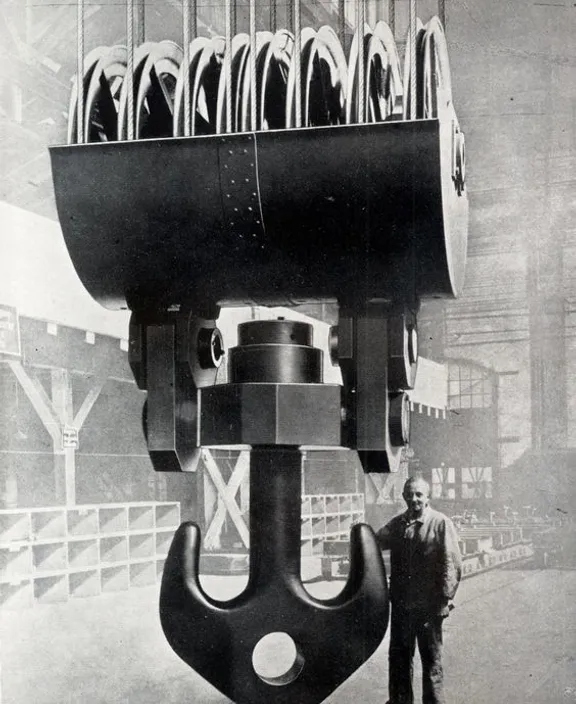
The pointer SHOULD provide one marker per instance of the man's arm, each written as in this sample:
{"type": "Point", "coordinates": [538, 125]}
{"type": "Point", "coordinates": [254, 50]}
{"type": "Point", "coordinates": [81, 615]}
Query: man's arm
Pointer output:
{"type": "Point", "coordinates": [451, 560]}
{"type": "Point", "coordinates": [383, 536]}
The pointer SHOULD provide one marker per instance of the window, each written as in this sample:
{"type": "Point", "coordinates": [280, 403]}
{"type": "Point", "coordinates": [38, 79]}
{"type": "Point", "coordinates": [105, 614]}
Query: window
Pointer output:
{"type": "Point", "coordinates": [443, 483]}
{"type": "Point", "coordinates": [476, 482]}
{"type": "Point", "coordinates": [469, 387]}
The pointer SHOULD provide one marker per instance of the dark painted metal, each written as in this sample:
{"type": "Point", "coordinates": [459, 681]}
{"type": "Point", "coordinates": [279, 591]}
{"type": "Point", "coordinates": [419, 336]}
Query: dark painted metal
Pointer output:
{"type": "Point", "coordinates": [363, 347]}
{"type": "Point", "coordinates": [355, 212]}
{"type": "Point", "coordinates": [217, 639]}
{"type": "Point", "coordinates": [275, 351]}
{"type": "Point", "coordinates": [167, 356]}
{"type": "Point", "coordinates": [275, 396]}
{"type": "Point", "coordinates": [286, 364]}
{"type": "Point", "coordinates": [402, 351]}
{"type": "Point", "coordinates": [266, 414]}
{"type": "Point", "coordinates": [275, 332]}
{"type": "Point", "coordinates": [359, 214]}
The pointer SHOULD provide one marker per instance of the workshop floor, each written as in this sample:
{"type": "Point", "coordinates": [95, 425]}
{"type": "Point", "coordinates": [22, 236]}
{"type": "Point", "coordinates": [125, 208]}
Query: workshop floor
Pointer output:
{"type": "Point", "coordinates": [511, 640]}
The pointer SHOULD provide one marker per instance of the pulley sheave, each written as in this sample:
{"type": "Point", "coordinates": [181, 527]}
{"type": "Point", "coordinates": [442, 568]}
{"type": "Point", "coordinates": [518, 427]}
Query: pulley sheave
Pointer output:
{"type": "Point", "coordinates": [154, 105]}
{"type": "Point", "coordinates": [105, 69]}
{"type": "Point", "coordinates": [274, 88]}
{"type": "Point", "coordinates": [90, 61]}
{"type": "Point", "coordinates": [263, 42]}
{"type": "Point", "coordinates": [197, 49]}
{"type": "Point", "coordinates": [267, 194]}
{"type": "Point", "coordinates": [239, 52]}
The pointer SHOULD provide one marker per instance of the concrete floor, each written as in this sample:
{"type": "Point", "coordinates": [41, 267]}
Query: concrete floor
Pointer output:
{"type": "Point", "coordinates": [511, 639]}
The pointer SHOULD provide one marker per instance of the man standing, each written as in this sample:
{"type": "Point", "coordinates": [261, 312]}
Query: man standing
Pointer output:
{"type": "Point", "coordinates": [426, 568]}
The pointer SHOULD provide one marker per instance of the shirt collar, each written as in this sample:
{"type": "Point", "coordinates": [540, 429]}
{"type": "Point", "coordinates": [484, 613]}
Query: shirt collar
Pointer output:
{"type": "Point", "coordinates": [421, 519]}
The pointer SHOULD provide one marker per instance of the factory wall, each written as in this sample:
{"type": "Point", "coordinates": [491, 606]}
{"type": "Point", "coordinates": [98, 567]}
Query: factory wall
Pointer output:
{"type": "Point", "coordinates": [494, 335]}
{"type": "Point", "coordinates": [60, 367]}
{"type": "Point", "coordinates": [458, 455]}
{"type": "Point", "coordinates": [569, 279]}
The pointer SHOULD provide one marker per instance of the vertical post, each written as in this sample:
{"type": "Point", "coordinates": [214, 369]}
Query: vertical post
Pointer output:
{"type": "Point", "coordinates": [64, 458]}
{"type": "Point", "coordinates": [80, 71]}
{"type": "Point", "coordinates": [245, 486]}
{"type": "Point", "coordinates": [548, 314]}
{"type": "Point", "coordinates": [210, 496]}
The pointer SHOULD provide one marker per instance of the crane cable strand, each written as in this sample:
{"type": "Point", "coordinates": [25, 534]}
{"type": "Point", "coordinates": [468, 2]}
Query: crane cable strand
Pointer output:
{"type": "Point", "coordinates": [130, 67]}
{"type": "Point", "coordinates": [80, 72]}
{"type": "Point", "coordinates": [412, 50]}
{"type": "Point", "coordinates": [297, 64]}
{"type": "Point", "coordinates": [228, 64]}
{"type": "Point", "coordinates": [252, 12]}
{"type": "Point", "coordinates": [360, 22]}
{"type": "Point", "coordinates": [186, 65]}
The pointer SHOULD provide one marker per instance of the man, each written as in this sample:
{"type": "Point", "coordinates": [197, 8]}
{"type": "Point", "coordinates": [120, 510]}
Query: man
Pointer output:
{"type": "Point", "coordinates": [426, 568]}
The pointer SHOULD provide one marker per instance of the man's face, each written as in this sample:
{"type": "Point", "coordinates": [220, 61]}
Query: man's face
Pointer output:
{"type": "Point", "coordinates": [416, 498]}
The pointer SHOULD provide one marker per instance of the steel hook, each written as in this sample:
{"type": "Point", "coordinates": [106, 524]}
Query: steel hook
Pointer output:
{"type": "Point", "coordinates": [217, 638]}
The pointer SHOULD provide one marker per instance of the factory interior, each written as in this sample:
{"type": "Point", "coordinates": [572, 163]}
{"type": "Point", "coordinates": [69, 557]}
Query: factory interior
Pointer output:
{"type": "Point", "coordinates": [254, 235]}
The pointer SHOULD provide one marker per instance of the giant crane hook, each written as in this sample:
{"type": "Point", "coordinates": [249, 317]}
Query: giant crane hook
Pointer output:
{"type": "Point", "coordinates": [327, 194]}
{"type": "Point", "coordinates": [332, 638]}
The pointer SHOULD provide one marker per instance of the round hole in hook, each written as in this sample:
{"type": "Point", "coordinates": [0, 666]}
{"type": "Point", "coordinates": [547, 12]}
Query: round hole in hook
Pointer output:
{"type": "Point", "coordinates": [276, 659]}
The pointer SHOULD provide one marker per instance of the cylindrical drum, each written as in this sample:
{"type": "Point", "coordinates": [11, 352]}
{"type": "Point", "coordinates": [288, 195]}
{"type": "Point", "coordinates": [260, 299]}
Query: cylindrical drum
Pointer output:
{"type": "Point", "coordinates": [275, 351]}
{"type": "Point", "coordinates": [275, 332]}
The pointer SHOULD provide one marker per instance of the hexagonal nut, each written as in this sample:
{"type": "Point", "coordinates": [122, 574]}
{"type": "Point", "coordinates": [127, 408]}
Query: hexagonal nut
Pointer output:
{"type": "Point", "coordinates": [271, 414]}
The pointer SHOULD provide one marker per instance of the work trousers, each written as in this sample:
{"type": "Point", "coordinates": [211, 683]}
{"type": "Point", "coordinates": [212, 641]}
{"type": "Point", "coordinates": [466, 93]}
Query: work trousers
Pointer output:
{"type": "Point", "coordinates": [407, 628]}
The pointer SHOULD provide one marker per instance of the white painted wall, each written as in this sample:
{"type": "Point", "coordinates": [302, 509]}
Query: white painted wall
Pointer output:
{"type": "Point", "coordinates": [38, 278]}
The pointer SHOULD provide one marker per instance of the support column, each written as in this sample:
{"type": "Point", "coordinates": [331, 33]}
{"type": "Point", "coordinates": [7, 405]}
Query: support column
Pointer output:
{"type": "Point", "coordinates": [57, 416]}
{"type": "Point", "coordinates": [548, 350]}
{"type": "Point", "coordinates": [546, 302]}
{"type": "Point", "coordinates": [64, 457]}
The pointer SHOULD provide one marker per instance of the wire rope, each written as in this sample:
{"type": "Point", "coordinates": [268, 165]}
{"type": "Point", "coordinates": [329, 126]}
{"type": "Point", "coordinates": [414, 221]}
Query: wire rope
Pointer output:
{"type": "Point", "coordinates": [130, 67]}
{"type": "Point", "coordinates": [80, 70]}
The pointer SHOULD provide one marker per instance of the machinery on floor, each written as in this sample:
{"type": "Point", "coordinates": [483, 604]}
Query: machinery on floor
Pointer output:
{"type": "Point", "coordinates": [269, 168]}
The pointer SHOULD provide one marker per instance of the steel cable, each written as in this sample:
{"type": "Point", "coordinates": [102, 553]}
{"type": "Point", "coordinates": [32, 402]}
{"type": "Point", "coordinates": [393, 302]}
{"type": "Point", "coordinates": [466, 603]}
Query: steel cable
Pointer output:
{"type": "Point", "coordinates": [186, 59]}
{"type": "Point", "coordinates": [230, 91]}
{"type": "Point", "coordinates": [80, 69]}
{"type": "Point", "coordinates": [129, 78]}
{"type": "Point", "coordinates": [412, 50]}
{"type": "Point", "coordinates": [342, 22]}
{"type": "Point", "coordinates": [360, 22]}
{"type": "Point", "coordinates": [297, 64]}
{"type": "Point", "coordinates": [442, 12]}
{"type": "Point", "coordinates": [253, 49]}
{"type": "Point", "coordinates": [228, 63]}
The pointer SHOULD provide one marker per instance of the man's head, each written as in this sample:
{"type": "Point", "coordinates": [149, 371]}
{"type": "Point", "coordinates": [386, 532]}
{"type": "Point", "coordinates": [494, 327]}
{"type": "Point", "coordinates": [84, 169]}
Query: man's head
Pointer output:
{"type": "Point", "coordinates": [416, 494]}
